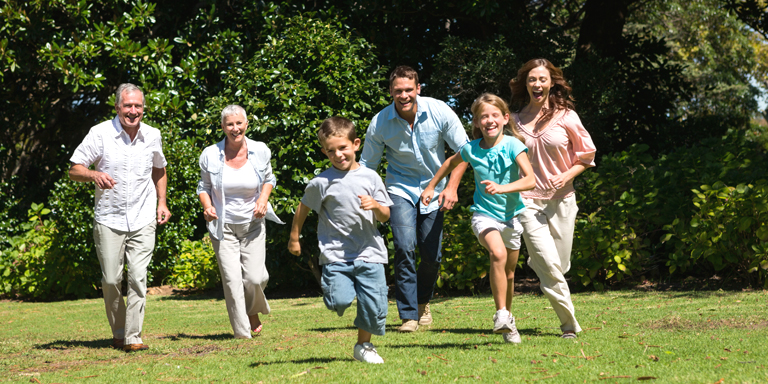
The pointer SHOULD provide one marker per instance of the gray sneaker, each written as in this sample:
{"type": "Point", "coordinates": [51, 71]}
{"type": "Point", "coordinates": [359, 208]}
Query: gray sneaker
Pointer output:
{"type": "Point", "coordinates": [366, 352]}
{"type": "Point", "coordinates": [501, 323]}
{"type": "Point", "coordinates": [513, 336]}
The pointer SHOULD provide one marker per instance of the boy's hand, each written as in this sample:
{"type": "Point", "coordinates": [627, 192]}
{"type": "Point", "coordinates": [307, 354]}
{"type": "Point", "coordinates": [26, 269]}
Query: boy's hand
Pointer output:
{"type": "Point", "coordinates": [294, 247]}
{"type": "Point", "coordinates": [427, 195]}
{"type": "Point", "coordinates": [367, 203]}
{"type": "Point", "coordinates": [491, 188]}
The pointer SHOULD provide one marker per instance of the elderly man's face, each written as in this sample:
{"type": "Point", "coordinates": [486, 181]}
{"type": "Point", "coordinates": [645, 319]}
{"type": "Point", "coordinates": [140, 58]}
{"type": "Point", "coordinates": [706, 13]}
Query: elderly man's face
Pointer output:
{"type": "Point", "coordinates": [131, 109]}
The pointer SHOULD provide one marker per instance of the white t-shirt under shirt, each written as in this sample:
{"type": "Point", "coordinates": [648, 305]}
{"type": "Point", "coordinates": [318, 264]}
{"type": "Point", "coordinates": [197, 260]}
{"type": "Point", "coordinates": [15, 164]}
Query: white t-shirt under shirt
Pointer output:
{"type": "Point", "coordinates": [241, 189]}
{"type": "Point", "coordinates": [345, 231]}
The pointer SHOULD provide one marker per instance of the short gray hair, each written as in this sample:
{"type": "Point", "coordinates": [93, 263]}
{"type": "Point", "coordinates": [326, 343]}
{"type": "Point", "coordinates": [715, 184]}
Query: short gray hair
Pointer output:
{"type": "Point", "coordinates": [129, 88]}
{"type": "Point", "coordinates": [232, 109]}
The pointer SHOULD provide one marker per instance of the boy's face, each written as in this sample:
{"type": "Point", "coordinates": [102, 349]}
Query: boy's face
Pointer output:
{"type": "Point", "coordinates": [341, 151]}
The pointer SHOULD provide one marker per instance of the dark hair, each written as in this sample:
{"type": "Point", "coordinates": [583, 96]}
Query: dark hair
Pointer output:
{"type": "Point", "coordinates": [403, 71]}
{"type": "Point", "coordinates": [498, 102]}
{"type": "Point", "coordinates": [559, 94]}
{"type": "Point", "coordinates": [336, 126]}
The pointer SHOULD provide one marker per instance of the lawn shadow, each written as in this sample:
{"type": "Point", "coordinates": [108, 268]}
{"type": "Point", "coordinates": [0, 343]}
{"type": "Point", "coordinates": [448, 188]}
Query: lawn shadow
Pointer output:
{"type": "Point", "coordinates": [331, 329]}
{"type": "Point", "coordinates": [312, 360]}
{"type": "Point", "coordinates": [469, 331]}
{"type": "Point", "coordinates": [211, 294]}
{"type": "Point", "coordinates": [180, 336]}
{"type": "Point", "coordinates": [67, 344]}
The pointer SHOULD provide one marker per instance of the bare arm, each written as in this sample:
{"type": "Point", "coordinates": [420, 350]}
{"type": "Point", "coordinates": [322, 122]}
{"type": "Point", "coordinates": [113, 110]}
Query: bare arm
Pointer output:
{"type": "Point", "coordinates": [260, 210]}
{"type": "Point", "coordinates": [294, 246]}
{"type": "Point", "coordinates": [160, 178]}
{"type": "Point", "coordinates": [449, 196]}
{"type": "Point", "coordinates": [558, 181]}
{"type": "Point", "coordinates": [452, 163]}
{"type": "Point", "coordinates": [209, 211]}
{"type": "Point", "coordinates": [525, 183]}
{"type": "Point", "coordinates": [81, 173]}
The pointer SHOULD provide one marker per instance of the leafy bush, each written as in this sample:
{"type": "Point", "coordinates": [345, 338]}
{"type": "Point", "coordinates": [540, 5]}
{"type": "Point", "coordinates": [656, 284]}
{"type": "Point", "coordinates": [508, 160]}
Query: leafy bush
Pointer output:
{"type": "Point", "coordinates": [23, 263]}
{"type": "Point", "coordinates": [195, 266]}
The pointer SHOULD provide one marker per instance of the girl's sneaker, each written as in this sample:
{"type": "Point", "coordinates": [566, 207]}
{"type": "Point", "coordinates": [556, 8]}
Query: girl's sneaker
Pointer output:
{"type": "Point", "coordinates": [513, 336]}
{"type": "Point", "coordinates": [366, 352]}
{"type": "Point", "coordinates": [501, 322]}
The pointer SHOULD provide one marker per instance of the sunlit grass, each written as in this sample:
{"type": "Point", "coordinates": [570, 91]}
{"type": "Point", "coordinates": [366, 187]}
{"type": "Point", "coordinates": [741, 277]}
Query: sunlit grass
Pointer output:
{"type": "Point", "coordinates": [679, 337]}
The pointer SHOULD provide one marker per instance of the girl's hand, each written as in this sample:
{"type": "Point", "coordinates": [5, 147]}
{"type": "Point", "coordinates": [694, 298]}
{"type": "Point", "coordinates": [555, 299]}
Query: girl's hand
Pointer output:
{"type": "Point", "coordinates": [427, 195]}
{"type": "Point", "coordinates": [260, 210]}
{"type": "Point", "coordinates": [210, 214]}
{"type": "Point", "coordinates": [559, 181]}
{"type": "Point", "coordinates": [491, 188]}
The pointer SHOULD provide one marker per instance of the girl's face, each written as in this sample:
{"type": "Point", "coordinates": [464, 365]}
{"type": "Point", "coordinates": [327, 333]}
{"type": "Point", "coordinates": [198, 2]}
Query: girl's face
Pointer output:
{"type": "Point", "coordinates": [492, 122]}
{"type": "Point", "coordinates": [538, 84]}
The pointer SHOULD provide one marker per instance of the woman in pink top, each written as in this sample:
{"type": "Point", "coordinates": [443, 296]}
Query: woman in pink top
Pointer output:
{"type": "Point", "coordinates": [559, 149]}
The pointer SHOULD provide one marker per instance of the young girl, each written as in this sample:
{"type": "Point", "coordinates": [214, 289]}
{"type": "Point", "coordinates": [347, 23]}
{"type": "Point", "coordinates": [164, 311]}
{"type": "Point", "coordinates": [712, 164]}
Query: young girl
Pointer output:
{"type": "Point", "coordinates": [498, 161]}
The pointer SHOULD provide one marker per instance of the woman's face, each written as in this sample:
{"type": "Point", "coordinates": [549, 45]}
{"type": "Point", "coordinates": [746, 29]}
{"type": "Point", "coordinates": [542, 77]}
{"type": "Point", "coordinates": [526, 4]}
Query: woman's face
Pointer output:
{"type": "Point", "coordinates": [538, 84]}
{"type": "Point", "coordinates": [234, 127]}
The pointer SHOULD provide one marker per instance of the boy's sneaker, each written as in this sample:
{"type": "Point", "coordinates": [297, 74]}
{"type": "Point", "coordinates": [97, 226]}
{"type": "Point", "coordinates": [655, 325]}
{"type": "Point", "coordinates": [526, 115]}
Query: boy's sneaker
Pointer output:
{"type": "Point", "coordinates": [366, 353]}
{"type": "Point", "coordinates": [409, 326]}
{"type": "Point", "coordinates": [513, 336]}
{"type": "Point", "coordinates": [425, 315]}
{"type": "Point", "coordinates": [501, 322]}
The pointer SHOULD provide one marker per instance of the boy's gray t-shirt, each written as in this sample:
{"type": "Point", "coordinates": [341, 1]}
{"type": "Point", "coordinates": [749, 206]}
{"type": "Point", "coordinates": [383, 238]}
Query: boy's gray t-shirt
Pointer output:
{"type": "Point", "coordinates": [345, 231]}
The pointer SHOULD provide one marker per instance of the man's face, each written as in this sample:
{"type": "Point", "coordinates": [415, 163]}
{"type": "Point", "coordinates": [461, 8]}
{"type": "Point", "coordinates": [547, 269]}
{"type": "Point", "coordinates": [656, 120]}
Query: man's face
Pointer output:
{"type": "Point", "coordinates": [404, 91]}
{"type": "Point", "coordinates": [131, 109]}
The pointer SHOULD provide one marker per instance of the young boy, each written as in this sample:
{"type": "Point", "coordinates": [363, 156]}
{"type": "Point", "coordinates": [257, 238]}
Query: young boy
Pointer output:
{"type": "Point", "coordinates": [348, 199]}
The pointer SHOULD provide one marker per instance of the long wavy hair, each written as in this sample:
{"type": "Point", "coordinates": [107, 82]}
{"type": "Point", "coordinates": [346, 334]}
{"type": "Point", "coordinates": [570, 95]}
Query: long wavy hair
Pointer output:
{"type": "Point", "coordinates": [498, 102]}
{"type": "Point", "coordinates": [559, 94]}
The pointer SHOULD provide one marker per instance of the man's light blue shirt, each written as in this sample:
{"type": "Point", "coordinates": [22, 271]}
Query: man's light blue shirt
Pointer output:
{"type": "Point", "coordinates": [413, 155]}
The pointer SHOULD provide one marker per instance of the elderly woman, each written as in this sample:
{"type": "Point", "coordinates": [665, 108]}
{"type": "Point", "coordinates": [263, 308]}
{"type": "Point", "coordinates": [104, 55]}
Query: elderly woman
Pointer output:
{"type": "Point", "coordinates": [560, 149]}
{"type": "Point", "coordinates": [235, 182]}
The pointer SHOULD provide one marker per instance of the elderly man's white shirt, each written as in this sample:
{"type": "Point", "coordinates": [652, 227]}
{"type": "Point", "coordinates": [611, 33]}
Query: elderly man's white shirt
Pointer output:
{"type": "Point", "coordinates": [132, 203]}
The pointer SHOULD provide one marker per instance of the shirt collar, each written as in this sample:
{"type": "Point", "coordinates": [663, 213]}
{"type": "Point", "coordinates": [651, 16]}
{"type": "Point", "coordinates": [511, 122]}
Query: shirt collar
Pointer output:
{"type": "Point", "coordinates": [119, 128]}
{"type": "Point", "coordinates": [393, 111]}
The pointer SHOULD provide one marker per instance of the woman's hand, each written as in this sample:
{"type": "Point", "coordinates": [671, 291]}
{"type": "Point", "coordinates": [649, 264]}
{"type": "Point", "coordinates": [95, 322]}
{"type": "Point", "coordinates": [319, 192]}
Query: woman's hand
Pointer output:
{"type": "Point", "coordinates": [559, 181]}
{"type": "Point", "coordinates": [427, 195]}
{"type": "Point", "coordinates": [210, 214]}
{"type": "Point", "coordinates": [294, 246]}
{"type": "Point", "coordinates": [260, 210]}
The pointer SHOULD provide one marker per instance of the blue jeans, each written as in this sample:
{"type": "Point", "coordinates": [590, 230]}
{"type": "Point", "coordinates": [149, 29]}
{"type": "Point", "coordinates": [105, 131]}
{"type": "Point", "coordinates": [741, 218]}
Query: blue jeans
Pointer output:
{"type": "Point", "coordinates": [341, 282]}
{"type": "Point", "coordinates": [411, 228]}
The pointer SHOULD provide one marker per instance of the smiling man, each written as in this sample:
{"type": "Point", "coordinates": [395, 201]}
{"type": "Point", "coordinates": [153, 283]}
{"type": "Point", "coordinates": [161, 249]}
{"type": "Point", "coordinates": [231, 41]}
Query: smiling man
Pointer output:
{"type": "Point", "coordinates": [414, 131]}
{"type": "Point", "coordinates": [130, 199]}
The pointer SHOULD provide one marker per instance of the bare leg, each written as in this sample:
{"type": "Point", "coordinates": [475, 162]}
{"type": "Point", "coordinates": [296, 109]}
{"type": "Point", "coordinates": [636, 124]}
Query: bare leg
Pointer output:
{"type": "Point", "coordinates": [363, 336]}
{"type": "Point", "coordinates": [492, 241]}
{"type": "Point", "coordinates": [255, 322]}
{"type": "Point", "coordinates": [512, 256]}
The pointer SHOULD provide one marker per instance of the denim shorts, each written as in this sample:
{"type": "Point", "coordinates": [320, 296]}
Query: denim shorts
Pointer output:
{"type": "Point", "coordinates": [510, 230]}
{"type": "Point", "coordinates": [343, 281]}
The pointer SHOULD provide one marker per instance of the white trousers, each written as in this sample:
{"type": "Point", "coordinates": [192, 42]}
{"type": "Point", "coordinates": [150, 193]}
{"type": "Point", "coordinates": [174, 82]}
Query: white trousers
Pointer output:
{"type": "Point", "coordinates": [115, 250]}
{"type": "Point", "coordinates": [548, 234]}
{"type": "Point", "coordinates": [241, 255]}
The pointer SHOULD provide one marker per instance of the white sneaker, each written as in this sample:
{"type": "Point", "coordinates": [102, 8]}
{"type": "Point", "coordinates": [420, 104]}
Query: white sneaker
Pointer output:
{"type": "Point", "coordinates": [513, 336]}
{"type": "Point", "coordinates": [501, 322]}
{"type": "Point", "coordinates": [366, 352]}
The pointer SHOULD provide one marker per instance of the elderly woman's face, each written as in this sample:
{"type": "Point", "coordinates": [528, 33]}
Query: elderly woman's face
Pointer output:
{"type": "Point", "coordinates": [538, 83]}
{"type": "Point", "coordinates": [234, 127]}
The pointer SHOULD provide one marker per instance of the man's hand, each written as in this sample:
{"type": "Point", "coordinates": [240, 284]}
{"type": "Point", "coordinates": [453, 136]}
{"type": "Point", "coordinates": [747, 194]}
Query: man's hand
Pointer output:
{"type": "Point", "coordinates": [163, 214]}
{"type": "Point", "coordinates": [103, 180]}
{"type": "Point", "coordinates": [447, 199]}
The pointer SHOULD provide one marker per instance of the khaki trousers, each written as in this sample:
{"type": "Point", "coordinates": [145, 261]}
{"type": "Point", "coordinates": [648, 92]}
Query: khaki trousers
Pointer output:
{"type": "Point", "coordinates": [548, 234]}
{"type": "Point", "coordinates": [241, 256]}
{"type": "Point", "coordinates": [115, 250]}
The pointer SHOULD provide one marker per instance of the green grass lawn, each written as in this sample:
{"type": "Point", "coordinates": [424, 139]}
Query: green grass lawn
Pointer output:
{"type": "Point", "coordinates": [664, 337]}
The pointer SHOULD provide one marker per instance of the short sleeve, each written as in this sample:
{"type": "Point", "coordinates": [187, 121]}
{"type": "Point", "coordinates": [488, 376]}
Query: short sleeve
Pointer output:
{"type": "Point", "coordinates": [380, 191]}
{"type": "Point", "coordinates": [158, 158]}
{"type": "Point", "coordinates": [313, 196]}
{"type": "Point", "coordinates": [89, 150]}
{"type": "Point", "coordinates": [583, 148]}
{"type": "Point", "coordinates": [516, 146]}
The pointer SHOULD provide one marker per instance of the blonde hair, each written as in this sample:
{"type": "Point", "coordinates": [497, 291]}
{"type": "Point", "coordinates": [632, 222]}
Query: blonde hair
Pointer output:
{"type": "Point", "coordinates": [498, 102]}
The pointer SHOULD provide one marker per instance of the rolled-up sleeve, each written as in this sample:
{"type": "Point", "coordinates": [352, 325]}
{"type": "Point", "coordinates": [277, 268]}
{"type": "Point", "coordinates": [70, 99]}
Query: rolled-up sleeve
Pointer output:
{"type": "Point", "coordinates": [373, 148]}
{"type": "Point", "coordinates": [204, 185]}
{"type": "Point", "coordinates": [582, 145]}
{"type": "Point", "coordinates": [453, 130]}
{"type": "Point", "coordinates": [269, 177]}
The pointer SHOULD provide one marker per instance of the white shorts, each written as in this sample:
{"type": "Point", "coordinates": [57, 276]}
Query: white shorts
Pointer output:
{"type": "Point", "coordinates": [510, 230]}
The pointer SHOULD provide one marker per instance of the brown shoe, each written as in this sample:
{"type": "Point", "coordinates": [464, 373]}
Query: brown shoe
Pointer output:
{"type": "Point", "coordinates": [118, 343]}
{"type": "Point", "coordinates": [135, 347]}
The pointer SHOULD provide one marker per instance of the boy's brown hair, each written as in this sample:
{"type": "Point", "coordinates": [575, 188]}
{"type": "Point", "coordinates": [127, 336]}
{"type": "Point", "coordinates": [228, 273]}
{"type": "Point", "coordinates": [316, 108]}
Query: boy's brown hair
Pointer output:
{"type": "Point", "coordinates": [336, 126]}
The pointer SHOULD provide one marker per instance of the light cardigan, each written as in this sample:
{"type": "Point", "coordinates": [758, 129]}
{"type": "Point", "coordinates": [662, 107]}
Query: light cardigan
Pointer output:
{"type": "Point", "coordinates": [211, 175]}
{"type": "Point", "coordinates": [554, 150]}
